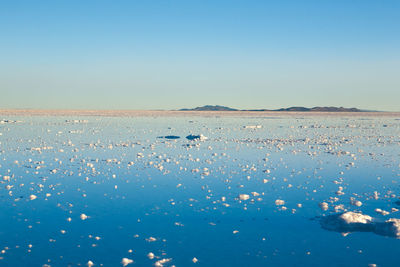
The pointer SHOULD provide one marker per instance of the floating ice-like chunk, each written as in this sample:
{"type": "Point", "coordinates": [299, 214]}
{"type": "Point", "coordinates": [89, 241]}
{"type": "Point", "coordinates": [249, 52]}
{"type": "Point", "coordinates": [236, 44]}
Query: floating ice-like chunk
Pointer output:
{"type": "Point", "coordinates": [32, 197]}
{"type": "Point", "coordinates": [339, 207]}
{"type": "Point", "coordinates": [194, 260]}
{"type": "Point", "coordinates": [235, 232]}
{"type": "Point", "coordinates": [244, 197]}
{"type": "Point", "coordinates": [358, 222]}
{"type": "Point", "coordinates": [90, 263]}
{"type": "Point", "coordinates": [160, 263]}
{"type": "Point", "coordinates": [151, 239]}
{"type": "Point", "coordinates": [83, 216]}
{"type": "Point", "coordinates": [279, 202]}
{"type": "Point", "coordinates": [252, 127]}
{"type": "Point", "coordinates": [150, 255]}
{"type": "Point", "coordinates": [382, 212]}
{"type": "Point", "coordinates": [357, 203]}
{"type": "Point", "coordinates": [126, 261]}
{"type": "Point", "coordinates": [354, 217]}
{"type": "Point", "coordinates": [390, 228]}
{"type": "Point", "coordinates": [347, 222]}
{"type": "Point", "coordinates": [324, 206]}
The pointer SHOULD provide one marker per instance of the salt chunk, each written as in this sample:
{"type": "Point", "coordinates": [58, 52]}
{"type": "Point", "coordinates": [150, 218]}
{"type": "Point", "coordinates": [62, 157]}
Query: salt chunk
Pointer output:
{"type": "Point", "coordinates": [323, 205]}
{"type": "Point", "coordinates": [126, 261]}
{"type": "Point", "coordinates": [150, 256]}
{"type": "Point", "coordinates": [244, 197]}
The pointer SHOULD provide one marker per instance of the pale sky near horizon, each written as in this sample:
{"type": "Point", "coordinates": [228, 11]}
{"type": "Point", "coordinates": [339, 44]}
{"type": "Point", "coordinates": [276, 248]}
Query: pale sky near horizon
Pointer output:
{"type": "Point", "coordinates": [175, 54]}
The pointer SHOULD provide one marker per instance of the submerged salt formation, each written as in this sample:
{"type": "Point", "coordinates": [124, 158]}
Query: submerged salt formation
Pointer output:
{"type": "Point", "coordinates": [357, 222]}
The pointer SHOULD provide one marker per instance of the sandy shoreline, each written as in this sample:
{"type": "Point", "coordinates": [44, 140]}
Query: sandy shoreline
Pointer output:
{"type": "Point", "coordinates": [170, 113]}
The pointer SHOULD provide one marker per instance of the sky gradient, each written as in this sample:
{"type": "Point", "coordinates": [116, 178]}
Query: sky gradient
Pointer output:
{"type": "Point", "coordinates": [174, 54]}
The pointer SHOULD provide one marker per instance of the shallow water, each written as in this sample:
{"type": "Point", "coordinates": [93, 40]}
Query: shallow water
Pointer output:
{"type": "Point", "coordinates": [133, 185]}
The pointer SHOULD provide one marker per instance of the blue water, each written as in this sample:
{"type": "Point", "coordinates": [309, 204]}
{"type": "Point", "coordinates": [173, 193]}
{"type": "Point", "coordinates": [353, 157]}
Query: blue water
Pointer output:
{"type": "Point", "coordinates": [129, 203]}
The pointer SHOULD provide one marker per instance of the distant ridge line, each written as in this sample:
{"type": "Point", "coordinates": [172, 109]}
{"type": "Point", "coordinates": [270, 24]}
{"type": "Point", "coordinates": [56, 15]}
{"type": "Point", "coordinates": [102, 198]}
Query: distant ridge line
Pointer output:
{"type": "Point", "coordinates": [294, 109]}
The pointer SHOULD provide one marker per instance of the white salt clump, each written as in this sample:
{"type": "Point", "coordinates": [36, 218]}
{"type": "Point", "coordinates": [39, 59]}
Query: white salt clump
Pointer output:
{"type": "Point", "coordinates": [151, 239]}
{"type": "Point", "coordinates": [352, 222]}
{"type": "Point", "coordinates": [382, 212]}
{"type": "Point", "coordinates": [279, 202]}
{"type": "Point", "coordinates": [83, 216]}
{"type": "Point", "coordinates": [160, 263]}
{"type": "Point", "coordinates": [194, 260]}
{"type": "Point", "coordinates": [90, 263]}
{"type": "Point", "coordinates": [235, 231]}
{"type": "Point", "coordinates": [252, 127]}
{"type": "Point", "coordinates": [357, 203]}
{"type": "Point", "coordinates": [32, 197]}
{"type": "Point", "coordinates": [324, 205]}
{"type": "Point", "coordinates": [353, 217]}
{"type": "Point", "coordinates": [126, 261]}
{"type": "Point", "coordinates": [150, 255]}
{"type": "Point", "coordinates": [347, 222]}
{"type": "Point", "coordinates": [340, 191]}
{"type": "Point", "coordinates": [390, 228]}
{"type": "Point", "coordinates": [244, 197]}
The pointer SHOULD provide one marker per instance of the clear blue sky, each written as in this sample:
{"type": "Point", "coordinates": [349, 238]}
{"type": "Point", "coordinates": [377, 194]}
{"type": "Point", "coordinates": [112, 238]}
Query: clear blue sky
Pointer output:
{"type": "Point", "coordinates": [171, 54]}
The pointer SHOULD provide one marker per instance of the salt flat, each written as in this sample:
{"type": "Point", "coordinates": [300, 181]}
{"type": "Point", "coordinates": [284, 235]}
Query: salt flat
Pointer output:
{"type": "Point", "coordinates": [164, 188]}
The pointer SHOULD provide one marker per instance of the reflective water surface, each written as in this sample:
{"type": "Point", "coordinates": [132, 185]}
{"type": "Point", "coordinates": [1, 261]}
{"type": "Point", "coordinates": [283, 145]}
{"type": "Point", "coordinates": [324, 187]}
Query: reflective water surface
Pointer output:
{"type": "Point", "coordinates": [91, 191]}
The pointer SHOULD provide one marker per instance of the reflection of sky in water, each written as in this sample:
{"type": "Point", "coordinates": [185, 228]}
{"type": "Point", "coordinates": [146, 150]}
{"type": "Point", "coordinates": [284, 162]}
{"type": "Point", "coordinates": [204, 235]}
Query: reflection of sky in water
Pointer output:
{"type": "Point", "coordinates": [191, 220]}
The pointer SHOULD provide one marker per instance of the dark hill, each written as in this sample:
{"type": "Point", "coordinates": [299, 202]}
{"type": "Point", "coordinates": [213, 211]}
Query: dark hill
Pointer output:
{"type": "Point", "coordinates": [210, 108]}
{"type": "Point", "coordinates": [294, 109]}
{"type": "Point", "coordinates": [320, 109]}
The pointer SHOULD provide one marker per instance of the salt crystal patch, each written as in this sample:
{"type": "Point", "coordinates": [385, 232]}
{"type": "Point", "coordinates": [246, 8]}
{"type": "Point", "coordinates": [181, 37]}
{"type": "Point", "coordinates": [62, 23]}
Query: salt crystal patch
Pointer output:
{"type": "Point", "coordinates": [126, 261]}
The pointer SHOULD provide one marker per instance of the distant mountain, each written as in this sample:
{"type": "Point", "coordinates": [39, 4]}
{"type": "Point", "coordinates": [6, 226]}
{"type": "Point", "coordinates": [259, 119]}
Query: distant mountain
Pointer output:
{"type": "Point", "coordinates": [320, 109]}
{"type": "Point", "coordinates": [294, 109]}
{"type": "Point", "coordinates": [209, 108]}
